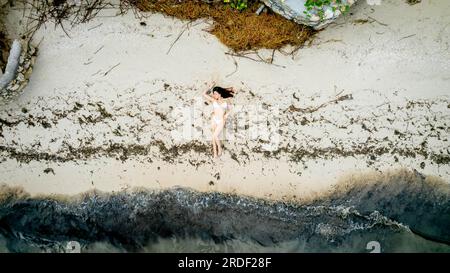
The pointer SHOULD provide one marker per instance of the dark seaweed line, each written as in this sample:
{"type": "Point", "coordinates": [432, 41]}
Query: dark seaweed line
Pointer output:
{"type": "Point", "coordinates": [123, 152]}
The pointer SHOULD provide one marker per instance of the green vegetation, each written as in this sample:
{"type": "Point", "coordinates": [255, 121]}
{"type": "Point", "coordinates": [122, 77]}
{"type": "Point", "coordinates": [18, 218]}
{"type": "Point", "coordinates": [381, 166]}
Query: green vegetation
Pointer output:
{"type": "Point", "coordinates": [318, 7]}
{"type": "Point", "coordinates": [237, 4]}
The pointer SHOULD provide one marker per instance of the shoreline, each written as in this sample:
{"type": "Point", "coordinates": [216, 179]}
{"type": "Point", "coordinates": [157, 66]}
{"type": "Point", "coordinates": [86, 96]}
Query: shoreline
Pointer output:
{"type": "Point", "coordinates": [362, 208]}
{"type": "Point", "coordinates": [395, 115]}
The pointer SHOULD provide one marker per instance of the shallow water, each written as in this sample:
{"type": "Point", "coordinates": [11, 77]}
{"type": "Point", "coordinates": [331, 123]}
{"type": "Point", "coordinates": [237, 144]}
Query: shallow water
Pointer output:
{"type": "Point", "coordinates": [403, 212]}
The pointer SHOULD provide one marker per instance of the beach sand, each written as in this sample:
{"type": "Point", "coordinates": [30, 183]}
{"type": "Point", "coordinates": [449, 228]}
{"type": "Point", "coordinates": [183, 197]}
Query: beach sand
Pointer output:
{"type": "Point", "coordinates": [104, 107]}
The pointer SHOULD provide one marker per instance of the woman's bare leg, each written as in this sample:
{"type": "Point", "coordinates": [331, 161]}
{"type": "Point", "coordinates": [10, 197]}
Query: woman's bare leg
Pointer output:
{"type": "Point", "coordinates": [216, 134]}
{"type": "Point", "coordinates": [213, 127]}
{"type": "Point", "coordinates": [214, 148]}
{"type": "Point", "coordinates": [219, 147]}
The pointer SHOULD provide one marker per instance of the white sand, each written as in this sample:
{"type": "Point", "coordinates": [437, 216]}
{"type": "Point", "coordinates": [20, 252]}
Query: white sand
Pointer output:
{"type": "Point", "coordinates": [396, 69]}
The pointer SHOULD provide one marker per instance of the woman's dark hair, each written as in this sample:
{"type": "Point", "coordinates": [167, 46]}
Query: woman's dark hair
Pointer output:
{"type": "Point", "coordinates": [225, 93]}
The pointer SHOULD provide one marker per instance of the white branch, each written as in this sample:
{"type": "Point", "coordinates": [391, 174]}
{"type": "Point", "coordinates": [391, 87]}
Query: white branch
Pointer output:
{"type": "Point", "coordinates": [12, 65]}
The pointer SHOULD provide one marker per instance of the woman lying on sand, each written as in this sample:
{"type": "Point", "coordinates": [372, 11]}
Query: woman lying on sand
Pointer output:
{"type": "Point", "coordinates": [221, 111]}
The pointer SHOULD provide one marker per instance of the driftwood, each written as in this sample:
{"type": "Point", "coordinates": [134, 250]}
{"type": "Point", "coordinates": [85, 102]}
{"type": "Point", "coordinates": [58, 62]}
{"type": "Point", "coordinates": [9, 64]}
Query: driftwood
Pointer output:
{"type": "Point", "coordinates": [12, 65]}
{"type": "Point", "coordinates": [337, 98]}
{"type": "Point", "coordinates": [297, 11]}
{"type": "Point", "coordinates": [72, 12]}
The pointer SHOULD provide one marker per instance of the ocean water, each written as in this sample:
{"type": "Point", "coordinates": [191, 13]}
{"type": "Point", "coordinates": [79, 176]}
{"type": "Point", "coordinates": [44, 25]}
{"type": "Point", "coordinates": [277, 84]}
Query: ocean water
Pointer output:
{"type": "Point", "coordinates": [399, 212]}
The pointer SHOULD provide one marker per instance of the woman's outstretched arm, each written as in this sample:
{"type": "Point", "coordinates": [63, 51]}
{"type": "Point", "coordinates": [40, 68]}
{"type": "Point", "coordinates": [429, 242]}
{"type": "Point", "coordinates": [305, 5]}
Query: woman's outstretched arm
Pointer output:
{"type": "Point", "coordinates": [207, 97]}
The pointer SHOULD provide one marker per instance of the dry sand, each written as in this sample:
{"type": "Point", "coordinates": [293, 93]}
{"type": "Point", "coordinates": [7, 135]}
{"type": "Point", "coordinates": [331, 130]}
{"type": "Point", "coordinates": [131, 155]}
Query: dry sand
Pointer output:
{"type": "Point", "coordinates": [103, 106]}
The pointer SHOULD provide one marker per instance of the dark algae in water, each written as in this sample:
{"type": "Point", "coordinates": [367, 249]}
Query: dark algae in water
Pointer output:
{"type": "Point", "coordinates": [420, 202]}
{"type": "Point", "coordinates": [402, 211]}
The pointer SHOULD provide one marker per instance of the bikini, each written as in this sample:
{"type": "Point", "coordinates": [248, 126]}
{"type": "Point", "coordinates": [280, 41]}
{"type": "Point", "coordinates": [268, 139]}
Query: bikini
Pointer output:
{"type": "Point", "coordinates": [216, 105]}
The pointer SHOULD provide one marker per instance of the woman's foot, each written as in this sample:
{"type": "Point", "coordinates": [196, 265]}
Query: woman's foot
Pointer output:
{"type": "Point", "coordinates": [219, 147]}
